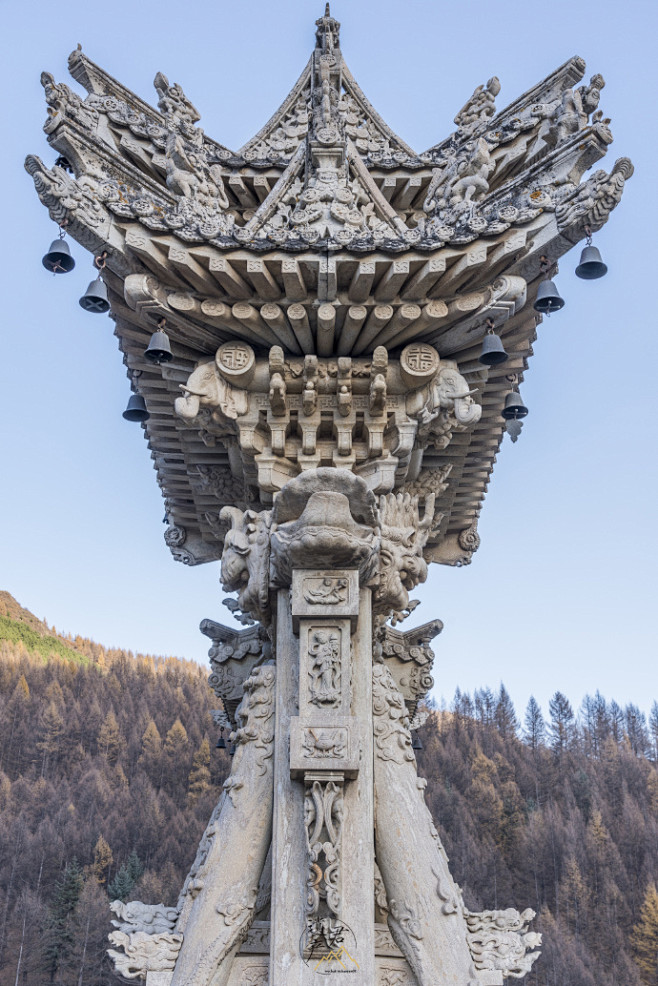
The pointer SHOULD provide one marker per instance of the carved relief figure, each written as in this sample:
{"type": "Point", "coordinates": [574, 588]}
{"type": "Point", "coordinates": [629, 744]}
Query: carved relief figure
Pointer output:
{"type": "Point", "coordinates": [404, 535]}
{"type": "Point", "coordinates": [324, 649]}
{"type": "Point", "coordinates": [480, 107]}
{"type": "Point", "coordinates": [206, 388]}
{"type": "Point", "coordinates": [246, 559]}
{"type": "Point", "coordinates": [325, 592]}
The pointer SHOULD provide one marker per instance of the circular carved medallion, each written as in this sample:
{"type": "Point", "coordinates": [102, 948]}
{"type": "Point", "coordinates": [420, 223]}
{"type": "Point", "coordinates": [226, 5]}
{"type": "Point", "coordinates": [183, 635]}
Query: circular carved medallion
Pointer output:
{"type": "Point", "coordinates": [419, 363]}
{"type": "Point", "coordinates": [235, 360]}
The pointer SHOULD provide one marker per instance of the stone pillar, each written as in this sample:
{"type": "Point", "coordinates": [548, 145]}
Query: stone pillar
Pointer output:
{"type": "Point", "coordinates": [323, 853]}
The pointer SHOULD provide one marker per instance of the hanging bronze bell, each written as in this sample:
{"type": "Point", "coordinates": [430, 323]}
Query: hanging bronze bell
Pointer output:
{"type": "Point", "coordinates": [58, 260]}
{"type": "Point", "coordinates": [548, 299]}
{"type": "Point", "coordinates": [416, 743]}
{"type": "Point", "coordinates": [95, 298]}
{"type": "Point", "coordinates": [159, 350]}
{"type": "Point", "coordinates": [136, 410]}
{"type": "Point", "coordinates": [493, 352]}
{"type": "Point", "coordinates": [221, 742]}
{"type": "Point", "coordinates": [591, 266]}
{"type": "Point", "coordinates": [514, 406]}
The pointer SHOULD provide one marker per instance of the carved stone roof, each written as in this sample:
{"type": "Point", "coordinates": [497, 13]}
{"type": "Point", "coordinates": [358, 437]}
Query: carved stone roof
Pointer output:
{"type": "Point", "coordinates": [325, 234]}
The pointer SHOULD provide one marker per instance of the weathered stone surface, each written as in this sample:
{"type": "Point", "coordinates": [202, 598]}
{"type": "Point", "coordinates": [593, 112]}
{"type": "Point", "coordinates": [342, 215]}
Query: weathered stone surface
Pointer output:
{"type": "Point", "coordinates": [425, 909]}
{"type": "Point", "coordinates": [333, 745]}
{"type": "Point", "coordinates": [218, 899]}
{"type": "Point", "coordinates": [322, 592]}
{"type": "Point", "coordinates": [327, 423]}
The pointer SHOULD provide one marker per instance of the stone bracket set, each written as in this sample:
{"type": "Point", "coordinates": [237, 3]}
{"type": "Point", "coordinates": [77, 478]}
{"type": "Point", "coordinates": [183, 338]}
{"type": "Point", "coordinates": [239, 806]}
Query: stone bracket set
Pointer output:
{"type": "Point", "coordinates": [290, 415]}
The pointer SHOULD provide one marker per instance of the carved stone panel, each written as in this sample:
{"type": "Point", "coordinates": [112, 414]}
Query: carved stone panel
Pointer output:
{"type": "Point", "coordinates": [325, 594]}
{"type": "Point", "coordinates": [318, 745]}
{"type": "Point", "coordinates": [324, 668]}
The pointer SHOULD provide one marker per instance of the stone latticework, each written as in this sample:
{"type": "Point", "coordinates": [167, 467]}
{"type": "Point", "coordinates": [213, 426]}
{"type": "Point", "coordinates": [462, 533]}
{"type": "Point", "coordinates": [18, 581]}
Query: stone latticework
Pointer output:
{"type": "Point", "coordinates": [327, 430]}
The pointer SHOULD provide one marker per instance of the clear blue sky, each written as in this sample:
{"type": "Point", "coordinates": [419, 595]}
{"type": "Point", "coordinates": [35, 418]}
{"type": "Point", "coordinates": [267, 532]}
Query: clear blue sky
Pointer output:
{"type": "Point", "coordinates": [562, 593]}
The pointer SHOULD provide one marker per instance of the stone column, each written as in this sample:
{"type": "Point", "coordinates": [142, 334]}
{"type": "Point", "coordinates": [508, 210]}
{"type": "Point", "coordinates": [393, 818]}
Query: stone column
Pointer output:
{"type": "Point", "coordinates": [323, 854]}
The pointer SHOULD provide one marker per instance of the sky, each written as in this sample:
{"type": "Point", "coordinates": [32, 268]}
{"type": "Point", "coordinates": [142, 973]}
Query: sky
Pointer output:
{"type": "Point", "coordinates": [562, 592]}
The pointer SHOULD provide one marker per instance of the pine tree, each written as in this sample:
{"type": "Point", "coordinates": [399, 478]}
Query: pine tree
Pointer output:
{"type": "Point", "coordinates": [123, 884]}
{"type": "Point", "coordinates": [103, 859]}
{"type": "Point", "coordinates": [644, 938]}
{"type": "Point", "coordinates": [52, 732]}
{"type": "Point", "coordinates": [134, 866]}
{"type": "Point", "coordinates": [58, 936]}
{"type": "Point", "coordinates": [535, 728]}
{"type": "Point", "coordinates": [151, 756]}
{"type": "Point", "coordinates": [636, 730]}
{"type": "Point", "coordinates": [121, 887]}
{"type": "Point", "coordinates": [505, 715]}
{"type": "Point", "coordinates": [199, 781]}
{"type": "Point", "coordinates": [653, 730]}
{"type": "Point", "coordinates": [562, 725]}
{"type": "Point", "coordinates": [110, 740]}
{"type": "Point", "coordinates": [176, 759]}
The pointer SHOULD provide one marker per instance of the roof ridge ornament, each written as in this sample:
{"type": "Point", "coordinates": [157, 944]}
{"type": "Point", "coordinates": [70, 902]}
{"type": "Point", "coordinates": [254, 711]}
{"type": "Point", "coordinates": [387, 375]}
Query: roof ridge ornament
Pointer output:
{"type": "Point", "coordinates": [328, 32]}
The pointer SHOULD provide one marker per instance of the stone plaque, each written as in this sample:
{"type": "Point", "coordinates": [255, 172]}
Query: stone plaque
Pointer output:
{"type": "Point", "coordinates": [326, 594]}
{"type": "Point", "coordinates": [318, 745]}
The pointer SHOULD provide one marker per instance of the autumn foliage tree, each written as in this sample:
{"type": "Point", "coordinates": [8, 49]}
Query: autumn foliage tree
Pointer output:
{"type": "Point", "coordinates": [108, 775]}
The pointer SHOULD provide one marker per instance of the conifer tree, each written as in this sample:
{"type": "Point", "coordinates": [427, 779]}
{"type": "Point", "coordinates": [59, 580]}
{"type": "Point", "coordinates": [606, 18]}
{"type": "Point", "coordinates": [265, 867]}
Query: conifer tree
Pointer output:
{"type": "Point", "coordinates": [150, 757]}
{"type": "Point", "coordinates": [121, 887]}
{"type": "Point", "coordinates": [653, 730]}
{"type": "Point", "coordinates": [535, 728]}
{"type": "Point", "coordinates": [52, 732]}
{"type": "Point", "coordinates": [199, 781]}
{"type": "Point", "coordinates": [644, 939]}
{"type": "Point", "coordinates": [562, 724]}
{"type": "Point", "coordinates": [505, 715]}
{"type": "Point", "coordinates": [58, 935]}
{"type": "Point", "coordinates": [103, 859]}
{"type": "Point", "coordinates": [110, 740]}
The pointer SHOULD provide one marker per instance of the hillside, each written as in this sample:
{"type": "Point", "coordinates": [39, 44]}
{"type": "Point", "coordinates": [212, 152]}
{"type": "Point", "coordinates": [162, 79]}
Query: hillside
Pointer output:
{"type": "Point", "coordinates": [108, 774]}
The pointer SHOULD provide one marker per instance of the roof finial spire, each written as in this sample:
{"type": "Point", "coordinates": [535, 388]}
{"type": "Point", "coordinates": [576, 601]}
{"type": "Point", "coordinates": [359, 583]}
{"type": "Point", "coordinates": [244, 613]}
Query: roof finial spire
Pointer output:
{"type": "Point", "coordinates": [327, 34]}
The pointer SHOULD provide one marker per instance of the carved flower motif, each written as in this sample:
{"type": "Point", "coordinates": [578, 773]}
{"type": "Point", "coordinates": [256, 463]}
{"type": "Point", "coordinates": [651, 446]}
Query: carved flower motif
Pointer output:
{"type": "Point", "coordinates": [309, 234]}
{"type": "Point", "coordinates": [175, 537]}
{"type": "Point", "coordinates": [142, 207]}
{"type": "Point", "coordinates": [210, 228]}
{"type": "Point", "coordinates": [477, 224]}
{"type": "Point", "coordinates": [327, 135]}
{"type": "Point", "coordinates": [174, 221]}
{"type": "Point", "coordinates": [469, 539]}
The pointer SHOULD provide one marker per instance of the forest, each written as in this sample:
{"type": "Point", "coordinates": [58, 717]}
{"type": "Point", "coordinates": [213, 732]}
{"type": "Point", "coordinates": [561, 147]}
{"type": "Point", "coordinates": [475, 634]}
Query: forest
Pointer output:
{"type": "Point", "coordinates": [109, 771]}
